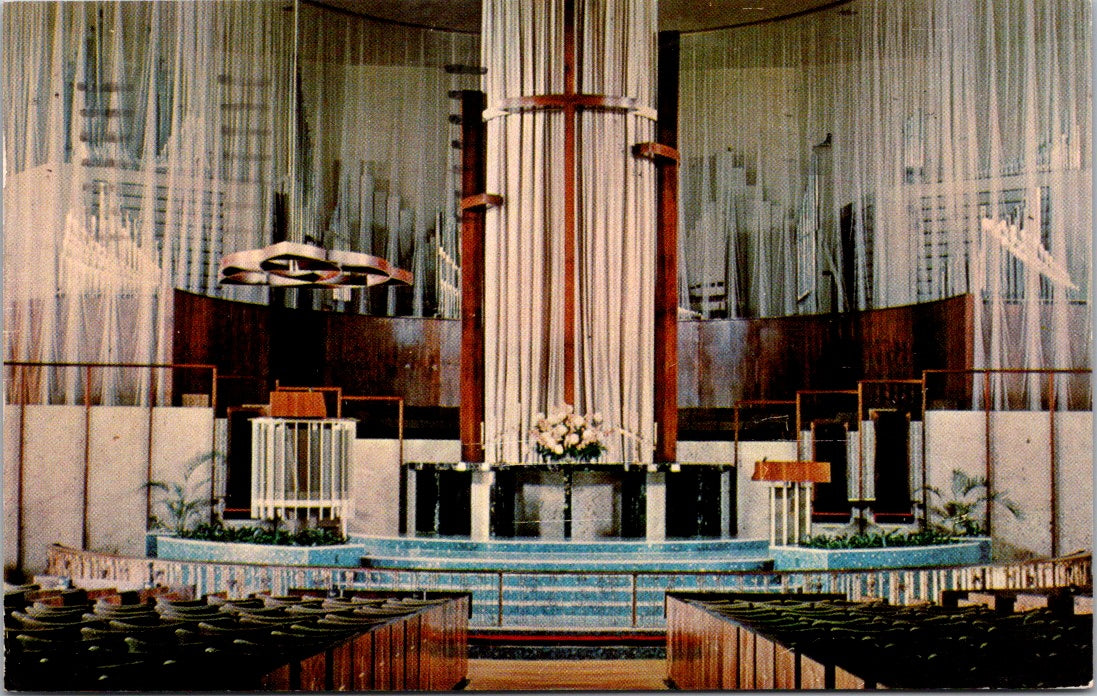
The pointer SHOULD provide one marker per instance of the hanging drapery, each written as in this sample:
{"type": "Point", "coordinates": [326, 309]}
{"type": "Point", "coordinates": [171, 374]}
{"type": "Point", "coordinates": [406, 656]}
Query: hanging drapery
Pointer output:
{"type": "Point", "coordinates": [160, 131]}
{"type": "Point", "coordinates": [935, 114]}
{"type": "Point", "coordinates": [138, 147]}
{"type": "Point", "coordinates": [378, 174]}
{"type": "Point", "coordinates": [550, 340]}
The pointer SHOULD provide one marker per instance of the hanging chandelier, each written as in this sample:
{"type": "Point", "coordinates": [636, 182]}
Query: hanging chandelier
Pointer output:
{"type": "Point", "coordinates": [303, 264]}
{"type": "Point", "coordinates": [293, 264]}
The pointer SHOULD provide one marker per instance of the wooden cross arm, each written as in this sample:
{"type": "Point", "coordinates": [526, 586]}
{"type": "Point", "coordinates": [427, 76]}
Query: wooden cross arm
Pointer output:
{"type": "Point", "coordinates": [800, 472]}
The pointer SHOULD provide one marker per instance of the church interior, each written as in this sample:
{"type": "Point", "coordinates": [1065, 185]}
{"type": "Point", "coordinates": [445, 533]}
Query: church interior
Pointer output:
{"type": "Point", "coordinates": [386, 345]}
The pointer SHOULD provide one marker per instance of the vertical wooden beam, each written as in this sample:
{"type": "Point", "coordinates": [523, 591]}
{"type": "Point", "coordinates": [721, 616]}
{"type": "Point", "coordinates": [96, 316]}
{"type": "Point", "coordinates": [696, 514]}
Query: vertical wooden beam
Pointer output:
{"type": "Point", "coordinates": [799, 446]}
{"type": "Point", "coordinates": [20, 481]}
{"type": "Point", "coordinates": [861, 447]}
{"type": "Point", "coordinates": [148, 445]}
{"type": "Point", "coordinates": [969, 333]}
{"type": "Point", "coordinates": [925, 470]}
{"type": "Point", "coordinates": [87, 458]}
{"type": "Point", "coordinates": [1054, 473]}
{"type": "Point", "coordinates": [473, 181]}
{"type": "Point", "coordinates": [666, 264]}
{"type": "Point", "coordinates": [213, 446]}
{"type": "Point", "coordinates": [570, 207]}
{"type": "Point", "coordinates": [402, 524]}
{"type": "Point", "coordinates": [987, 452]}
{"type": "Point", "coordinates": [567, 501]}
{"type": "Point", "coordinates": [735, 430]}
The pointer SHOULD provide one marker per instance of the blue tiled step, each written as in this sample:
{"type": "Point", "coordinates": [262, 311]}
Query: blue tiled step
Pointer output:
{"type": "Point", "coordinates": [463, 547]}
{"type": "Point", "coordinates": [583, 562]}
{"type": "Point", "coordinates": [556, 598]}
{"type": "Point", "coordinates": [488, 581]}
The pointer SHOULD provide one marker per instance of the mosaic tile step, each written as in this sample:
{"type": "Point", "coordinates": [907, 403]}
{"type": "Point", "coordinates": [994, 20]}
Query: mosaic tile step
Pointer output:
{"type": "Point", "coordinates": [603, 562]}
{"type": "Point", "coordinates": [462, 546]}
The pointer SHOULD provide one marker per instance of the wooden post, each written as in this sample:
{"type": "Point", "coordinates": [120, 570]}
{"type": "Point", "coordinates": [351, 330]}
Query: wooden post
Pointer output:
{"type": "Point", "coordinates": [1053, 471]}
{"type": "Point", "coordinates": [925, 469]}
{"type": "Point", "coordinates": [148, 445]}
{"type": "Point", "coordinates": [988, 452]}
{"type": "Point", "coordinates": [87, 458]}
{"type": "Point", "coordinates": [570, 212]}
{"type": "Point", "coordinates": [473, 181]}
{"type": "Point", "coordinates": [567, 501]}
{"type": "Point", "coordinates": [666, 269]}
{"type": "Point", "coordinates": [212, 515]}
{"type": "Point", "coordinates": [402, 523]}
{"type": "Point", "coordinates": [20, 481]}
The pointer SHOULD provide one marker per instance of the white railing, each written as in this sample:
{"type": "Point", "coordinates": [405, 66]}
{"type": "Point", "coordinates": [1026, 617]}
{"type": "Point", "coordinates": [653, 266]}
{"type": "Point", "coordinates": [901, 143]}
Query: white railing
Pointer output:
{"type": "Point", "coordinates": [301, 464]}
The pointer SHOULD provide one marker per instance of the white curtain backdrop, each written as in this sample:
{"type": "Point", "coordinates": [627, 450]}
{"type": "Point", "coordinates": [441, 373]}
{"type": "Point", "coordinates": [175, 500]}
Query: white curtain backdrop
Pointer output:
{"type": "Point", "coordinates": [378, 171]}
{"type": "Point", "coordinates": [139, 143]}
{"type": "Point", "coordinates": [873, 137]}
{"type": "Point", "coordinates": [615, 234]}
{"type": "Point", "coordinates": [143, 140]}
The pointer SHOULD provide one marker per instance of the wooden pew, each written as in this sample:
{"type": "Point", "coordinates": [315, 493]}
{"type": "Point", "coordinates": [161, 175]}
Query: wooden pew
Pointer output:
{"type": "Point", "coordinates": [397, 655]}
{"type": "Point", "coordinates": [766, 644]}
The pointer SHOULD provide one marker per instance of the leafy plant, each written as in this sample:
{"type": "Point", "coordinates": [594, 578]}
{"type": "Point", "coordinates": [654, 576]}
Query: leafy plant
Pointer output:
{"type": "Point", "coordinates": [964, 513]}
{"type": "Point", "coordinates": [182, 502]}
{"type": "Point", "coordinates": [271, 533]}
{"type": "Point", "coordinates": [929, 537]}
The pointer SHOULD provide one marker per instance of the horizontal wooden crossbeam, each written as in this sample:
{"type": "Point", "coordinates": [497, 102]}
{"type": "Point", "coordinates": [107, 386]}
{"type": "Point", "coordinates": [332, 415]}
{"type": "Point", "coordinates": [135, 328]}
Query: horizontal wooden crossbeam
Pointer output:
{"type": "Point", "coordinates": [800, 472]}
{"type": "Point", "coordinates": [660, 153]}
{"type": "Point", "coordinates": [481, 200]}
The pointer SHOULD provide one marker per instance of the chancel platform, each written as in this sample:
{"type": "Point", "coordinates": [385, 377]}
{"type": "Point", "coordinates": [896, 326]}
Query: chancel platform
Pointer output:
{"type": "Point", "coordinates": [580, 500]}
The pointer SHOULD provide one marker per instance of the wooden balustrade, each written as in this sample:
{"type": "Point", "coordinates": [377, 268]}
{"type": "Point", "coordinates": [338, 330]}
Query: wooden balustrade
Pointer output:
{"type": "Point", "coordinates": [897, 586]}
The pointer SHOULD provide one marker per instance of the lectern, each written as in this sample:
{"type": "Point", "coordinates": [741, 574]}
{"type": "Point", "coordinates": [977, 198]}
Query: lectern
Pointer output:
{"type": "Point", "coordinates": [790, 496]}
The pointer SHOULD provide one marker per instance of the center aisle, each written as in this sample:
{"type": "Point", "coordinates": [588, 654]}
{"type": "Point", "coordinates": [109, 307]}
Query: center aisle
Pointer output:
{"type": "Point", "coordinates": [566, 675]}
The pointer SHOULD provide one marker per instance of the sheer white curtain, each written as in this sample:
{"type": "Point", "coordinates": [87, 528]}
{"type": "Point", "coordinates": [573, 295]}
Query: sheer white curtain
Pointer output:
{"type": "Point", "coordinates": [615, 252]}
{"type": "Point", "coordinates": [378, 172]}
{"type": "Point", "coordinates": [522, 47]}
{"type": "Point", "coordinates": [614, 247]}
{"type": "Point", "coordinates": [141, 135]}
{"type": "Point", "coordinates": [937, 113]}
{"type": "Point", "coordinates": [138, 144]}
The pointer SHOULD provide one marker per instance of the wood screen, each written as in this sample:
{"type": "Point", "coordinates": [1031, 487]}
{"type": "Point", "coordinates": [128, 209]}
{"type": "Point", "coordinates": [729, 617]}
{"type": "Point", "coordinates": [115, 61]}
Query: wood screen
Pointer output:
{"type": "Point", "coordinates": [719, 361]}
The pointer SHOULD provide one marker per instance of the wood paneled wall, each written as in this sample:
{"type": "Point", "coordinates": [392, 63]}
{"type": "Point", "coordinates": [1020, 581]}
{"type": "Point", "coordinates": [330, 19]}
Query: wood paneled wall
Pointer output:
{"type": "Point", "coordinates": [418, 359]}
{"type": "Point", "coordinates": [719, 361]}
{"type": "Point", "coordinates": [234, 336]}
{"type": "Point", "coordinates": [722, 361]}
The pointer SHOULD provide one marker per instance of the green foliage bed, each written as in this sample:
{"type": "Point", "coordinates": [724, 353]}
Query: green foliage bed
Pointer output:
{"type": "Point", "coordinates": [929, 537]}
{"type": "Point", "coordinates": [263, 535]}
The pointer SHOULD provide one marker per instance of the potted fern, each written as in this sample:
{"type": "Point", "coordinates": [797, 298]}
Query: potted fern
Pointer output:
{"type": "Point", "coordinates": [963, 515]}
{"type": "Point", "coordinates": [182, 504]}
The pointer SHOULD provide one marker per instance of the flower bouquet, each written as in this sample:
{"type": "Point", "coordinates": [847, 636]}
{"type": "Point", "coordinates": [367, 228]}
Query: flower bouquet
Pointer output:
{"type": "Point", "coordinates": [567, 436]}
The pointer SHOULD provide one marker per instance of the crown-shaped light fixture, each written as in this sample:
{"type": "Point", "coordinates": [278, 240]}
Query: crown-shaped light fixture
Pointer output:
{"type": "Point", "coordinates": [303, 264]}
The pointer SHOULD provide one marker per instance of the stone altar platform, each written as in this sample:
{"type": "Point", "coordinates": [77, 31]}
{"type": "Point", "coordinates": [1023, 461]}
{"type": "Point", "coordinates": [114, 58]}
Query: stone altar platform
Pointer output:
{"type": "Point", "coordinates": [576, 501]}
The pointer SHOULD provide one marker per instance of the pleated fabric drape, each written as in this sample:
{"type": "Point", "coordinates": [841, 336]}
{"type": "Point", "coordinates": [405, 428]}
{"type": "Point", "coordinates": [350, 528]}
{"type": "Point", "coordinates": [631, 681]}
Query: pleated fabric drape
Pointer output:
{"type": "Point", "coordinates": [847, 158]}
{"type": "Point", "coordinates": [377, 172]}
{"type": "Point", "coordinates": [145, 140]}
{"type": "Point", "coordinates": [140, 141]}
{"type": "Point", "coordinates": [522, 44]}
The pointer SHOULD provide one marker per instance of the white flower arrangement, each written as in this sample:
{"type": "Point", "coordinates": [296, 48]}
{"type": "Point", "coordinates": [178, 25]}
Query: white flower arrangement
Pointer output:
{"type": "Point", "coordinates": [567, 436]}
